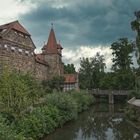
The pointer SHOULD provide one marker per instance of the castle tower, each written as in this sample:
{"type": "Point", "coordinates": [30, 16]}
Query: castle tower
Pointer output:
{"type": "Point", "coordinates": [16, 47]}
{"type": "Point", "coordinates": [52, 52]}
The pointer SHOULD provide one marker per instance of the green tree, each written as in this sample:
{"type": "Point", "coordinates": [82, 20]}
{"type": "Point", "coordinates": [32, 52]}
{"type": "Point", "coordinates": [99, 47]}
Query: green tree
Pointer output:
{"type": "Point", "coordinates": [85, 74]}
{"type": "Point", "coordinates": [91, 70]}
{"type": "Point", "coordinates": [122, 52]}
{"type": "Point", "coordinates": [35, 88]}
{"type": "Point", "coordinates": [69, 69]}
{"type": "Point", "coordinates": [135, 25]}
{"type": "Point", "coordinates": [123, 77]}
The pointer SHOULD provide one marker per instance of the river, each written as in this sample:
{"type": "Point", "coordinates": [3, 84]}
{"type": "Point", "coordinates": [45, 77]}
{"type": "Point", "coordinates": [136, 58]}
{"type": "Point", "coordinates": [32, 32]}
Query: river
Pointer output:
{"type": "Point", "coordinates": [100, 122]}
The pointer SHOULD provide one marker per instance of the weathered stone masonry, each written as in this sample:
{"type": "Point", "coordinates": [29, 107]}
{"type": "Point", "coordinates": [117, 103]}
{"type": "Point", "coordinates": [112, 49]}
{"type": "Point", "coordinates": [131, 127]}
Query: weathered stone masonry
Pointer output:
{"type": "Point", "coordinates": [17, 52]}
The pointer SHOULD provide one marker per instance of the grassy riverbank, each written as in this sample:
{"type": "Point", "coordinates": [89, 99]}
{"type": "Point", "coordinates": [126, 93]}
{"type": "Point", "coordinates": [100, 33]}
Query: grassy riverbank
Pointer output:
{"type": "Point", "coordinates": [56, 109]}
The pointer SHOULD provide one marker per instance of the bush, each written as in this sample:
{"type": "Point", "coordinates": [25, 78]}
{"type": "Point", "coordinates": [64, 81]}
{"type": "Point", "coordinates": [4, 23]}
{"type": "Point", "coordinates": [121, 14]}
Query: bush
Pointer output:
{"type": "Point", "coordinates": [57, 109]}
{"type": "Point", "coordinates": [18, 92]}
{"type": "Point", "coordinates": [135, 94]}
{"type": "Point", "coordinates": [131, 114]}
{"type": "Point", "coordinates": [66, 105]}
{"type": "Point", "coordinates": [83, 99]}
{"type": "Point", "coordinates": [41, 121]}
{"type": "Point", "coordinates": [7, 133]}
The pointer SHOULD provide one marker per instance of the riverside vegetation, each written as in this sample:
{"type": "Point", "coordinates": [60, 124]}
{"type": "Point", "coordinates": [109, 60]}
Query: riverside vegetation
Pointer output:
{"type": "Point", "coordinates": [27, 112]}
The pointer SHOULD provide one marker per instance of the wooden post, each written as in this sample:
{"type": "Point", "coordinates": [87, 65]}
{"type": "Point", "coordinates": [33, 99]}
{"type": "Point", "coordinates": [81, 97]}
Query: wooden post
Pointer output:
{"type": "Point", "coordinates": [111, 98]}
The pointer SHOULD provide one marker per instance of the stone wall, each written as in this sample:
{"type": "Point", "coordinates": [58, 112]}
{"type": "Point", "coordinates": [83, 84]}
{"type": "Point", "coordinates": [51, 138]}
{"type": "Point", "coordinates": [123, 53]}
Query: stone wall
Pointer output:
{"type": "Point", "coordinates": [55, 64]}
{"type": "Point", "coordinates": [16, 58]}
{"type": "Point", "coordinates": [41, 71]}
{"type": "Point", "coordinates": [17, 52]}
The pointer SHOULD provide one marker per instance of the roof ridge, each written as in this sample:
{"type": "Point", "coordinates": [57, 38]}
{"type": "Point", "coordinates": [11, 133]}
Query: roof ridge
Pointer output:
{"type": "Point", "coordinates": [15, 25]}
{"type": "Point", "coordinates": [9, 23]}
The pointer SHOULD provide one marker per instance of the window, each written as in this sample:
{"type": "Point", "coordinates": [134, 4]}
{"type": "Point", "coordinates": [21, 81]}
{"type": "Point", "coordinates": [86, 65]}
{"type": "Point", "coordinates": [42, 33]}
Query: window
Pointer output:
{"type": "Point", "coordinates": [20, 50]}
{"type": "Point", "coordinates": [27, 52]}
{"type": "Point", "coordinates": [15, 32]}
{"type": "Point", "coordinates": [13, 48]}
{"type": "Point", "coordinates": [5, 46]}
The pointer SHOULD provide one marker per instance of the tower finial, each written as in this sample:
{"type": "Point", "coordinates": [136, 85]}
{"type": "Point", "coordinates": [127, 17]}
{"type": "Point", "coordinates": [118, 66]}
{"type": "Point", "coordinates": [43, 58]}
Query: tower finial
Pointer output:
{"type": "Point", "coordinates": [52, 25]}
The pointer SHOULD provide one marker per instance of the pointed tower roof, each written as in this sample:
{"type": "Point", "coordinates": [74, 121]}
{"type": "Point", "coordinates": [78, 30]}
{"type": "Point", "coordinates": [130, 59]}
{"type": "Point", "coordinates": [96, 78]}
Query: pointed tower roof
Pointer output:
{"type": "Point", "coordinates": [51, 46]}
{"type": "Point", "coordinates": [16, 26]}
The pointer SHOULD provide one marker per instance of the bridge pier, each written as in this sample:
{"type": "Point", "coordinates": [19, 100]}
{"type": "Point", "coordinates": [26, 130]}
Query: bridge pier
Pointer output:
{"type": "Point", "coordinates": [111, 99]}
{"type": "Point", "coordinates": [111, 94]}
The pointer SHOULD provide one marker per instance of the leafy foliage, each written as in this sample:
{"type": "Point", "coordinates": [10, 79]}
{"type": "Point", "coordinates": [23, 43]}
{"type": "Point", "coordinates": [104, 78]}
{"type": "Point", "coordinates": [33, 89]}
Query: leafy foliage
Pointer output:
{"type": "Point", "coordinates": [7, 133]}
{"type": "Point", "coordinates": [65, 103]}
{"type": "Point", "coordinates": [122, 52]}
{"type": "Point", "coordinates": [56, 83]}
{"type": "Point", "coordinates": [59, 108]}
{"type": "Point", "coordinates": [18, 92]}
{"type": "Point", "coordinates": [69, 69]}
{"type": "Point", "coordinates": [13, 93]}
{"type": "Point", "coordinates": [135, 25]}
{"type": "Point", "coordinates": [132, 114]}
{"type": "Point", "coordinates": [42, 120]}
{"type": "Point", "coordinates": [90, 72]}
{"type": "Point", "coordinates": [83, 100]}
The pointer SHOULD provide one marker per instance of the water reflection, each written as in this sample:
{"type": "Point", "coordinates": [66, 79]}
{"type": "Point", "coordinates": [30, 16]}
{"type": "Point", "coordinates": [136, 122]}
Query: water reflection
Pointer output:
{"type": "Point", "coordinates": [101, 122]}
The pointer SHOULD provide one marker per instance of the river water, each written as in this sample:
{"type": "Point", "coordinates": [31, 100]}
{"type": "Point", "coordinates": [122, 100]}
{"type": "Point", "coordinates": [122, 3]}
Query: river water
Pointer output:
{"type": "Point", "coordinates": [100, 122]}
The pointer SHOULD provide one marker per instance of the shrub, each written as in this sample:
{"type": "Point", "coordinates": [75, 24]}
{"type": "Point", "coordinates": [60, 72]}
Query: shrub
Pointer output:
{"type": "Point", "coordinates": [13, 94]}
{"type": "Point", "coordinates": [41, 121]}
{"type": "Point", "coordinates": [7, 133]}
{"type": "Point", "coordinates": [83, 99]}
{"type": "Point", "coordinates": [131, 114]}
{"type": "Point", "coordinates": [55, 111]}
{"type": "Point", "coordinates": [18, 92]}
{"type": "Point", "coordinates": [65, 103]}
{"type": "Point", "coordinates": [135, 94]}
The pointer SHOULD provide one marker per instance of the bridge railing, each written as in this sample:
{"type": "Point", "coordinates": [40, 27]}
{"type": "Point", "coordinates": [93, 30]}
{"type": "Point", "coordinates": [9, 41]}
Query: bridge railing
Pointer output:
{"type": "Point", "coordinates": [107, 92]}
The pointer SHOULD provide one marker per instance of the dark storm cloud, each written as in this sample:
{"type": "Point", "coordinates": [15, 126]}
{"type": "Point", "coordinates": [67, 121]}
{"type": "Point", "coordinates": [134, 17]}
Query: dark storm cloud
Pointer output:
{"type": "Point", "coordinates": [84, 22]}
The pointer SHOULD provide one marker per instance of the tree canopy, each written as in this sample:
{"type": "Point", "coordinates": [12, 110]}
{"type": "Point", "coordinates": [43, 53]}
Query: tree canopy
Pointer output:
{"type": "Point", "coordinates": [122, 54]}
{"type": "Point", "coordinates": [135, 25]}
{"type": "Point", "coordinates": [69, 69]}
{"type": "Point", "coordinates": [91, 70]}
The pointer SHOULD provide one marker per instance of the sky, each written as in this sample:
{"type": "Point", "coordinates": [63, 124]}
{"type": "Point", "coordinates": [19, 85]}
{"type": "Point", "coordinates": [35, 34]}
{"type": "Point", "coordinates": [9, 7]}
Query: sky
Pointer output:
{"type": "Point", "coordinates": [83, 27]}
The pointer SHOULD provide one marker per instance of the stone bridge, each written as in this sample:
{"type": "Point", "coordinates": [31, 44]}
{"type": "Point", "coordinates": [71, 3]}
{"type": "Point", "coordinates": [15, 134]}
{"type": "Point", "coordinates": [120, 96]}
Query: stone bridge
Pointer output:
{"type": "Point", "coordinates": [109, 93]}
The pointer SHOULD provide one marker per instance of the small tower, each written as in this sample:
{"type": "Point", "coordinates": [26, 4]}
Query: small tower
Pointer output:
{"type": "Point", "coordinates": [59, 48]}
{"type": "Point", "coordinates": [53, 55]}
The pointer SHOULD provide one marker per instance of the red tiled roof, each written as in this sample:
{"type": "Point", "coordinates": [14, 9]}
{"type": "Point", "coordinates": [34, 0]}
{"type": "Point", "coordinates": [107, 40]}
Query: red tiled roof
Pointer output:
{"type": "Point", "coordinates": [16, 26]}
{"type": "Point", "coordinates": [39, 58]}
{"type": "Point", "coordinates": [51, 46]}
{"type": "Point", "coordinates": [70, 78]}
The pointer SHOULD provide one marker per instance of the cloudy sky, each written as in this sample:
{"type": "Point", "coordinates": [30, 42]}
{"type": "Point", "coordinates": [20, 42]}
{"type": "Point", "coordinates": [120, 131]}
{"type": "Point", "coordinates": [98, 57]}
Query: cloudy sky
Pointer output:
{"type": "Point", "coordinates": [83, 27]}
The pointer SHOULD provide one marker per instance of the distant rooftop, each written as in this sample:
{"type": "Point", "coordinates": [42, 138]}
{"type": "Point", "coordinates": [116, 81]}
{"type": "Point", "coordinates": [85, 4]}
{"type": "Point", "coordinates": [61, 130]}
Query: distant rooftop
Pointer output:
{"type": "Point", "coordinates": [134, 101]}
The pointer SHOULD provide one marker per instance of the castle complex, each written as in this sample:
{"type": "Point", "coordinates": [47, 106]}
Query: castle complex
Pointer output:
{"type": "Point", "coordinates": [17, 51]}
